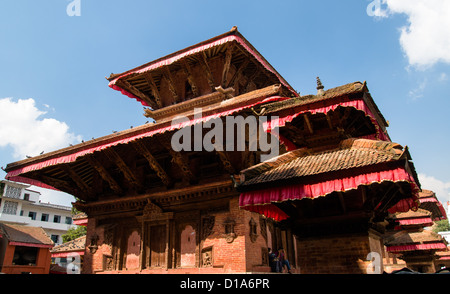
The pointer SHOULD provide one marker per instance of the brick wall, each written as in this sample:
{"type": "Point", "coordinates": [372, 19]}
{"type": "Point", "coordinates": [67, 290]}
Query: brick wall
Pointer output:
{"type": "Point", "coordinates": [337, 254]}
{"type": "Point", "coordinates": [230, 255]}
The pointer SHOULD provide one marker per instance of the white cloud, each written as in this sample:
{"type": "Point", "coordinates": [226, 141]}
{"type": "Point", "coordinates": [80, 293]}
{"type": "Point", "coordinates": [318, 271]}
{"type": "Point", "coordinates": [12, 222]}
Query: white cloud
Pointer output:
{"type": "Point", "coordinates": [426, 38]}
{"type": "Point", "coordinates": [24, 129]}
{"type": "Point", "coordinates": [442, 189]}
{"type": "Point", "coordinates": [417, 92]}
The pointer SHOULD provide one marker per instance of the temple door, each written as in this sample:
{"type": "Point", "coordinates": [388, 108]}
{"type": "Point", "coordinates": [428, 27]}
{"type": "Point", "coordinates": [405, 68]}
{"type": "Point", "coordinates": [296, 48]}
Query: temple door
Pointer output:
{"type": "Point", "coordinates": [158, 246]}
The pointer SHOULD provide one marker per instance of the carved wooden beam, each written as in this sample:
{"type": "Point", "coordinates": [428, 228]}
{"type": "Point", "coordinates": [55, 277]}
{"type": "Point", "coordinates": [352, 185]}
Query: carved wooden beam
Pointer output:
{"type": "Point", "coordinates": [330, 123]}
{"type": "Point", "coordinates": [104, 174]}
{"type": "Point", "coordinates": [135, 91]}
{"type": "Point", "coordinates": [224, 157]}
{"type": "Point", "coordinates": [226, 67]}
{"type": "Point", "coordinates": [179, 159]}
{"type": "Point", "coordinates": [168, 76]}
{"type": "Point", "coordinates": [77, 179]}
{"type": "Point", "coordinates": [203, 60]}
{"type": "Point", "coordinates": [126, 171]}
{"type": "Point", "coordinates": [308, 123]}
{"type": "Point", "coordinates": [251, 79]}
{"type": "Point", "coordinates": [149, 78]}
{"type": "Point", "coordinates": [342, 202]}
{"type": "Point", "coordinates": [143, 150]}
{"type": "Point", "coordinates": [58, 184]}
{"type": "Point", "coordinates": [238, 74]}
{"type": "Point", "coordinates": [190, 77]}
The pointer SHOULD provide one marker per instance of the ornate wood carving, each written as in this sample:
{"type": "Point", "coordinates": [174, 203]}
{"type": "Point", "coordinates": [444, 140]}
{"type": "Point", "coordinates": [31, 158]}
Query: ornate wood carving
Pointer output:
{"type": "Point", "coordinates": [238, 74]}
{"type": "Point", "coordinates": [188, 71]}
{"type": "Point", "coordinates": [207, 257]}
{"type": "Point", "coordinates": [135, 91]}
{"type": "Point", "coordinates": [77, 179]}
{"type": "Point", "coordinates": [179, 159]}
{"type": "Point", "coordinates": [149, 78]}
{"type": "Point", "coordinates": [207, 226]}
{"type": "Point", "coordinates": [104, 174]}
{"type": "Point", "coordinates": [151, 209]}
{"type": "Point", "coordinates": [168, 76]}
{"type": "Point", "coordinates": [226, 67]}
{"type": "Point", "coordinates": [203, 60]}
{"type": "Point", "coordinates": [129, 175]}
{"type": "Point", "coordinates": [143, 150]}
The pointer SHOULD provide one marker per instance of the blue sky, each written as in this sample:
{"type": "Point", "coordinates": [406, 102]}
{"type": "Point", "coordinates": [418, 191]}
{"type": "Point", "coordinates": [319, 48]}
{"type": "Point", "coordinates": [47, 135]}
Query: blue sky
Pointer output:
{"type": "Point", "coordinates": [53, 90]}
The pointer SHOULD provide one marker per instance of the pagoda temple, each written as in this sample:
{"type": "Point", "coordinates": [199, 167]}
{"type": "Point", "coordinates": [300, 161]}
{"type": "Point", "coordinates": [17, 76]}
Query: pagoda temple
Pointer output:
{"type": "Point", "coordinates": [323, 196]}
{"type": "Point", "coordinates": [409, 236]}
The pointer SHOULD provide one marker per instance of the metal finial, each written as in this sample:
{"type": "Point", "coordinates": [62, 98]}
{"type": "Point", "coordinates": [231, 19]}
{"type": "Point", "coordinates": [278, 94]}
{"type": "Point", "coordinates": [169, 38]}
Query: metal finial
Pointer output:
{"type": "Point", "coordinates": [320, 87]}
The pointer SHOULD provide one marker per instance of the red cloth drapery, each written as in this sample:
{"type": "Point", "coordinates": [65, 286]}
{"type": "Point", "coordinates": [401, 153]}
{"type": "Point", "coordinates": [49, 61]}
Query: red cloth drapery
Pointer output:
{"type": "Point", "coordinates": [15, 175]}
{"type": "Point", "coordinates": [415, 221]}
{"type": "Point", "coordinates": [263, 201]}
{"type": "Point", "coordinates": [358, 104]}
{"type": "Point", "coordinates": [413, 247]}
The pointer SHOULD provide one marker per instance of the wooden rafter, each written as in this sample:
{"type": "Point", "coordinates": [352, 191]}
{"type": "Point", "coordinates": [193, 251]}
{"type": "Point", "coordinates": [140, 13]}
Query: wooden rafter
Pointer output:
{"type": "Point", "coordinates": [179, 159]}
{"type": "Point", "coordinates": [190, 78]}
{"type": "Point", "coordinates": [143, 150]}
{"type": "Point", "coordinates": [203, 60]}
{"type": "Point", "coordinates": [168, 76]}
{"type": "Point", "coordinates": [104, 174]}
{"type": "Point", "coordinates": [135, 91]}
{"type": "Point", "coordinates": [149, 78]}
{"type": "Point", "coordinates": [308, 123]}
{"type": "Point", "coordinates": [251, 79]}
{"type": "Point", "coordinates": [224, 157]}
{"type": "Point", "coordinates": [226, 68]}
{"type": "Point", "coordinates": [238, 74]}
{"type": "Point", "coordinates": [127, 172]}
{"type": "Point", "coordinates": [82, 185]}
{"type": "Point", "coordinates": [57, 183]}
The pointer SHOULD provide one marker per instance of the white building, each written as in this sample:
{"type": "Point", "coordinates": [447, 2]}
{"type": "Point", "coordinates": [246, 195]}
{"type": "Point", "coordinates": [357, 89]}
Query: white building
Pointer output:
{"type": "Point", "coordinates": [21, 205]}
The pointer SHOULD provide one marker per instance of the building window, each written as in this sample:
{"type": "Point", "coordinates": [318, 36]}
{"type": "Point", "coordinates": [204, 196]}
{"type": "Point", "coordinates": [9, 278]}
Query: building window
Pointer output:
{"type": "Point", "coordinates": [25, 255]}
{"type": "Point", "coordinates": [68, 220]}
{"type": "Point", "coordinates": [10, 207]}
{"type": "Point", "coordinates": [44, 217]}
{"type": "Point", "coordinates": [26, 197]}
{"type": "Point", "coordinates": [55, 238]}
{"type": "Point", "coordinates": [32, 214]}
{"type": "Point", "coordinates": [12, 192]}
{"type": "Point", "coordinates": [57, 219]}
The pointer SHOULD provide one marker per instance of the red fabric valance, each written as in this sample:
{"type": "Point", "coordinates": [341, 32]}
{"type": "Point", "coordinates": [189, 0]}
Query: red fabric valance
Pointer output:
{"type": "Point", "coordinates": [358, 104]}
{"type": "Point", "coordinates": [413, 247]}
{"type": "Point", "coordinates": [262, 201]}
{"type": "Point", "coordinates": [415, 221]}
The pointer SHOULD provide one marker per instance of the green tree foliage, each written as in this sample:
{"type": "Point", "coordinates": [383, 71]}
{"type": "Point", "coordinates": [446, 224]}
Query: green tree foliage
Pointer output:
{"type": "Point", "coordinates": [74, 233]}
{"type": "Point", "coordinates": [441, 226]}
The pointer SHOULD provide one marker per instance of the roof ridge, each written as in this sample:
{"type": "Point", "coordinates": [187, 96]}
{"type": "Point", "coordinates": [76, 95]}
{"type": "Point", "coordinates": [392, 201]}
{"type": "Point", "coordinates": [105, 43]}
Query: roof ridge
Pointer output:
{"type": "Point", "coordinates": [388, 147]}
